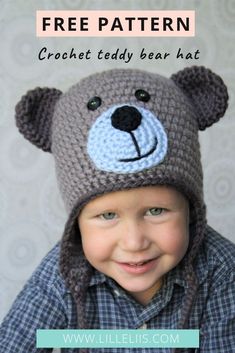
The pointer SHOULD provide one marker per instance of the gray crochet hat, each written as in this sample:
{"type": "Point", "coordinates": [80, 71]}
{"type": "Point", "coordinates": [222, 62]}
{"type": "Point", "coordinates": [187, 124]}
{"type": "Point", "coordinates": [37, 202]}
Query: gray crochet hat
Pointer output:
{"type": "Point", "coordinates": [123, 129]}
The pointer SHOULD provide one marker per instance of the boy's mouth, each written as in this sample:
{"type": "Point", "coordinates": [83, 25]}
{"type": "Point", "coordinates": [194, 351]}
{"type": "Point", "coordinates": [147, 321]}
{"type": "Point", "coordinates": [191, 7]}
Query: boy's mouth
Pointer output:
{"type": "Point", "coordinates": [137, 263]}
{"type": "Point", "coordinates": [138, 267]}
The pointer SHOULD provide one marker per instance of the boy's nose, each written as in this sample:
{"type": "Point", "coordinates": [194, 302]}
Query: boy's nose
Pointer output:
{"type": "Point", "coordinates": [133, 238]}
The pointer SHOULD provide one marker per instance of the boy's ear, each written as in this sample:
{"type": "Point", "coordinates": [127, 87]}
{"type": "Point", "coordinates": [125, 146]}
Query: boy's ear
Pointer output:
{"type": "Point", "coordinates": [34, 114]}
{"type": "Point", "coordinates": [207, 92]}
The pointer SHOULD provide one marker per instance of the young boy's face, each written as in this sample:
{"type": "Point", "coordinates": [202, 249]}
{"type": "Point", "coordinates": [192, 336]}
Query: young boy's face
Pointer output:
{"type": "Point", "coordinates": [136, 236]}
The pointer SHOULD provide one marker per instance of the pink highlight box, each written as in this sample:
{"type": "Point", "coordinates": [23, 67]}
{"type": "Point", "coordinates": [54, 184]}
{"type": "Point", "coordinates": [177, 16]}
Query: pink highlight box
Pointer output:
{"type": "Point", "coordinates": [115, 23]}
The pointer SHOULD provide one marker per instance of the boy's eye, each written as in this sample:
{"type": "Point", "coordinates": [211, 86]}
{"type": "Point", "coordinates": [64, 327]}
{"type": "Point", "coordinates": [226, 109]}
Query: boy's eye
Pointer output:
{"type": "Point", "coordinates": [155, 211]}
{"type": "Point", "coordinates": [94, 103]}
{"type": "Point", "coordinates": [108, 216]}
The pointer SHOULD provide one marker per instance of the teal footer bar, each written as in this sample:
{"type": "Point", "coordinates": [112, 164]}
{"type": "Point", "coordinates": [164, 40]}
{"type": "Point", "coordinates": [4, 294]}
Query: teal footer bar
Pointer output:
{"type": "Point", "coordinates": [117, 339]}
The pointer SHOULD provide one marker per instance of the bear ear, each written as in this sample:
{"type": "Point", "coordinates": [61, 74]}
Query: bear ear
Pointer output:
{"type": "Point", "coordinates": [207, 92]}
{"type": "Point", "coordinates": [33, 115]}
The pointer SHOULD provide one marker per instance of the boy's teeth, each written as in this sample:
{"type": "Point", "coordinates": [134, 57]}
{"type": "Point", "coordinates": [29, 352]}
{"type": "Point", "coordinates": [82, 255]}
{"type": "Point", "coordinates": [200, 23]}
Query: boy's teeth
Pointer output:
{"type": "Point", "coordinates": [137, 264]}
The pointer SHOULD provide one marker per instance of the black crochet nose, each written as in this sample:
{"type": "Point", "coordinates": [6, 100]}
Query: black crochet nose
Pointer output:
{"type": "Point", "coordinates": [126, 118]}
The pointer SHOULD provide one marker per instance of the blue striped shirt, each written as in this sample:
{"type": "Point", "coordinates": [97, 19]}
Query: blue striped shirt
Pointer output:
{"type": "Point", "coordinates": [46, 303]}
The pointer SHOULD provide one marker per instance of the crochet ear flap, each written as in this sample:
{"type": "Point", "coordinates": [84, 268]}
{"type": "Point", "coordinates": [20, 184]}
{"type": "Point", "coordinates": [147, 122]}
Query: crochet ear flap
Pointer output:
{"type": "Point", "coordinates": [34, 114]}
{"type": "Point", "coordinates": [207, 92]}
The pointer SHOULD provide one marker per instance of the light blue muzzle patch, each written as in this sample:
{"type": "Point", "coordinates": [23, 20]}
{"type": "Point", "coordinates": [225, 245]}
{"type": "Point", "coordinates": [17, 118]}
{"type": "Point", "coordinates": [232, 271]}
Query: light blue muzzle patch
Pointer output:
{"type": "Point", "coordinates": [114, 150]}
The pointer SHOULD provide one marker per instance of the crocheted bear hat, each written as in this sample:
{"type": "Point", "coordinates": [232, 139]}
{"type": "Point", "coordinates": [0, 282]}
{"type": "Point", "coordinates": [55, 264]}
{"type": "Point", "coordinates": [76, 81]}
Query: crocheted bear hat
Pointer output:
{"type": "Point", "coordinates": [123, 129]}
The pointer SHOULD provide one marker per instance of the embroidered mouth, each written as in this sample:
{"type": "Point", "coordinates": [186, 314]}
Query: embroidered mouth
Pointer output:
{"type": "Point", "coordinates": [138, 150]}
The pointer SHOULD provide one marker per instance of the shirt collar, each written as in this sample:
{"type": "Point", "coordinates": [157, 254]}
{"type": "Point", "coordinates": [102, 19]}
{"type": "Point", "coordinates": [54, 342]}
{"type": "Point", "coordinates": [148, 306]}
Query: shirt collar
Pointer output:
{"type": "Point", "coordinates": [97, 278]}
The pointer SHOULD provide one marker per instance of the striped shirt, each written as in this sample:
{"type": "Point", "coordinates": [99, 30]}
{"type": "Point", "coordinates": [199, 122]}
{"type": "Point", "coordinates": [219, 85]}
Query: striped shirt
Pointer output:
{"type": "Point", "coordinates": [46, 303]}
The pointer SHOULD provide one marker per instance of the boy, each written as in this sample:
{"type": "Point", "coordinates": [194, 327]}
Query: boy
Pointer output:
{"type": "Point", "coordinates": [136, 250]}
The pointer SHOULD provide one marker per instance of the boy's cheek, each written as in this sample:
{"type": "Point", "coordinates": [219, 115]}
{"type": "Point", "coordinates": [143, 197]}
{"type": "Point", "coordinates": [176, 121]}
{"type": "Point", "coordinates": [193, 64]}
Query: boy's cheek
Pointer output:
{"type": "Point", "coordinates": [175, 242]}
{"type": "Point", "coordinates": [94, 248]}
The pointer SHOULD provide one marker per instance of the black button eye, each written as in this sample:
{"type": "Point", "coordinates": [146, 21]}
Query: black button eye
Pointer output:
{"type": "Point", "coordinates": [142, 95]}
{"type": "Point", "coordinates": [94, 103]}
